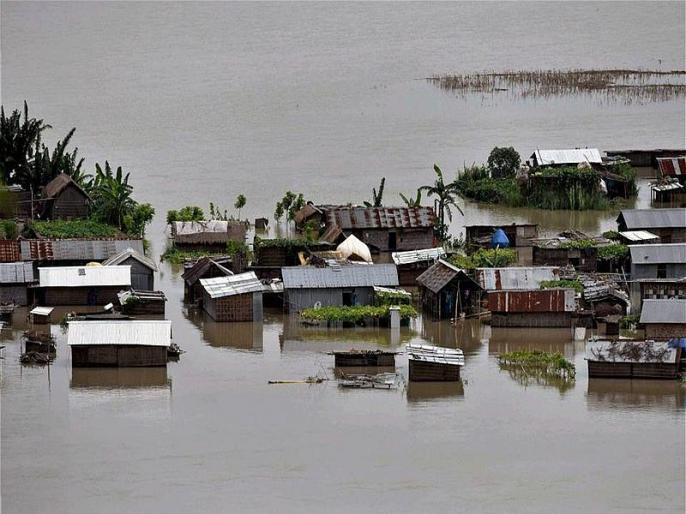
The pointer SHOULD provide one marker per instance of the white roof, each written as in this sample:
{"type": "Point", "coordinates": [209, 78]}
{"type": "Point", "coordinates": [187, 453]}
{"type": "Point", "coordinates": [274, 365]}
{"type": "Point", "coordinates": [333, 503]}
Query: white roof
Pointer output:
{"type": "Point", "coordinates": [124, 332]}
{"type": "Point", "coordinates": [182, 228]}
{"type": "Point", "coordinates": [437, 354]}
{"type": "Point", "coordinates": [570, 156]}
{"type": "Point", "coordinates": [42, 311]}
{"type": "Point", "coordinates": [521, 278]}
{"type": "Point", "coordinates": [638, 235]}
{"type": "Point", "coordinates": [84, 276]}
{"type": "Point", "coordinates": [412, 256]}
{"type": "Point", "coordinates": [353, 246]}
{"type": "Point", "coordinates": [232, 285]}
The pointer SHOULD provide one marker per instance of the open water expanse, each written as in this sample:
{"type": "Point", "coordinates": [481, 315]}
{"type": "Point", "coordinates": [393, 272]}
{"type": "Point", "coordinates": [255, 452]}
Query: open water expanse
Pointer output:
{"type": "Point", "coordinates": [202, 101]}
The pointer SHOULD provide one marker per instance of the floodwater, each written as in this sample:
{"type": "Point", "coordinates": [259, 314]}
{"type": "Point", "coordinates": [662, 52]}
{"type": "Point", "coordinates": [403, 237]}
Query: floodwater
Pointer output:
{"type": "Point", "coordinates": [202, 101]}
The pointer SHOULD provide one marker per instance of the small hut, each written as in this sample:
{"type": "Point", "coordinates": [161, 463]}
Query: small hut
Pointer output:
{"type": "Point", "coordinates": [64, 199]}
{"type": "Point", "coordinates": [669, 224]}
{"type": "Point", "coordinates": [206, 267]}
{"type": "Point", "coordinates": [15, 277]}
{"type": "Point", "coordinates": [210, 234]}
{"type": "Point", "coordinates": [126, 343]}
{"type": "Point", "coordinates": [41, 315]}
{"type": "Point", "coordinates": [433, 363]}
{"type": "Point", "coordinates": [447, 291]}
{"type": "Point", "coordinates": [658, 261]}
{"type": "Point", "coordinates": [142, 268]}
{"type": "Point", "coordinates": [664, 319]}
{"type": "Point", "coordinates": [233, 298]}
{"type": "Point", "coordinates": [631, 359]}
{"type": "Point", "coordinates": [81, 285]}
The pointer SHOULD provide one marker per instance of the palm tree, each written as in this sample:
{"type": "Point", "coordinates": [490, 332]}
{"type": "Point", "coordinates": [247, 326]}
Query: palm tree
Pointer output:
{"type": "Point", "coordinates": [413, 202]}
{"type": "Point", "coordinates": [377, 197]}
{"type": "Point", "coordinates": [240, 203]}
{"type": "Point", "coordinates": [446, 198]}
{"type": "Point", "coordinates": [112, 194]}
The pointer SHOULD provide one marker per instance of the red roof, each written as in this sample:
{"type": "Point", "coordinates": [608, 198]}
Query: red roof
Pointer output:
{"type": "Point", "coordinates": [672, 166]}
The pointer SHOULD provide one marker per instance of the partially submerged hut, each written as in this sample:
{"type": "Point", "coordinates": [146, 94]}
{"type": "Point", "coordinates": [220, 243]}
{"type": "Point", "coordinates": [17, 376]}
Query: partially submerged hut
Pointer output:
{"type": "Point", "coordinates": [631, 359]}
{"type": "Point", "coordinates": [448, 291]}
{"type": "Point", "coordinates": [564, 251]}
{"type": "Point", "coordinates": [664, 319]}
{"type": "Point", "coordinates": [64, 199]}
{"type": "Point", "coordinates": [15, 277]}
{"type": "Point", "coordinates": [81, 285]}
{"type": "Point", "coordinates": [542, 308]}
{"type": "Point", "coordinates": [142, 302]}
{"type": "Point", "coordinates": [658, 261]}
{"type": "Point", "coordinates": [142, 268]}
{"type": "Point", "coordinates": [206, 267]}
{"type": "Point", "coordinates": [433, 363]}
{"type": "Point", "coordinates": [125, 343]}
{"type": "Point", "coordinates": [233, 297]}
{"type": "Point", "coordinates": [347, 284]}
{"type": "Point", "coordinates": [41, 315]}
{"type": "Point", "coordinates": [669, 224]}
{"type": "Point", "coordinates": [413, 263]}
{"type": "Point", "coordinates": [519, 235]}
{"type": "Point", "coordinates": [207, 234]}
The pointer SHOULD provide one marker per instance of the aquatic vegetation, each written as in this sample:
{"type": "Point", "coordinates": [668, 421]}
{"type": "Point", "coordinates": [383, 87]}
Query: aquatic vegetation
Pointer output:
{"type": "Point", "coordinates": [391, 298]}
{"type": "Point", "coordinates": [572, 284]}
{"type": "Point", "coordinates": [356, 314]}
{"type": "Point", "coordinates": [540, 364]}
{"type": "Point", "coordinates": [626, 85]}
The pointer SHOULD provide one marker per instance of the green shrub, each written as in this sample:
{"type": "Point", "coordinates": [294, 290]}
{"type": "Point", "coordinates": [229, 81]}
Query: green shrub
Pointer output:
{"type": "Point", "coordinates": [8, 229]}
{"type": "Point", "coordinates": [187, 213]}
{"type": "Point", "coordinates": [552, 365]}
{"type": "Point", "coordinates": [553, 284]}
{"type": "Point", "coordinates": [356, 314]}
{"type": "Point", "coordinates": [68, 229]}
{"type": "Point", "coordinates": [503, 162]}
{"type": "Point", "coordinates": [486, 258]}
{"type": "Point", "coordinates": [614, 252]}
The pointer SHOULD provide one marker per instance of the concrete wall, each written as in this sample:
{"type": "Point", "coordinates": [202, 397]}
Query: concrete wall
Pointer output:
{"type": "Point", "coordinates": [639, 271]}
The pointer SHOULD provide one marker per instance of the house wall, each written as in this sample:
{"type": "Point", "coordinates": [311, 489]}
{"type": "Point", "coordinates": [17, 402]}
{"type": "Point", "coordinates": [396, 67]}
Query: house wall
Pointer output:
{"type": "Point", "coordinates": [242, 307]}
{"type": "Point", "coordinates": [118, 355]}
{"type": "Point", "coordinates": [415, 239]}
{"type": "Point", "coordinates": [532, 319]}
{"type": "Point", "coordinates": [298, 299]}
{"type": "Point", "coordinates": [583, 260]}
{"type": "Point", "coordinates": [78, 295]}
{"type": "Point", "coordinates": [14, 292]}
{"type": "Point", "coordinates": [665, 330]}
{"type": "Point", "coordinates": [70, 204]}
{"type": "Point", "coordinates": [639, 291]}
{"type": "Point", "coordinates": [142, 277]}
{"type": "Point", "coordinates": [639, 271]}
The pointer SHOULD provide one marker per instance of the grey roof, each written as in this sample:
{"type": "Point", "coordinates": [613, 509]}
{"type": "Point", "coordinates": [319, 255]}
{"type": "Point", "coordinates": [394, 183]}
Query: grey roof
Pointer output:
{"type": "Point", "coordinates": [353, 275]}
{"type": "Point", "coordinates": [439, 275]}
{"type": "Point", "coordinates": [16, 272]}
{"type": "Point", "coordinates": [232, 285]}
{"type": "Point", "coordinates": [130, 253]}
{"type": "Point", "coordinates": [523, 278]}
{"type": "Point", "coordinates": [674, 253]}
{"type": "Point", "coordinates": [637, 219]}
{"type": "Point", "coordinates": [76, 249]}
{"type": "Point", "coordinates": [354, 217]}
{"type": "Point", "coordinates": [663, 311]}
{"type": "Point", "coordinates": [412, 256]}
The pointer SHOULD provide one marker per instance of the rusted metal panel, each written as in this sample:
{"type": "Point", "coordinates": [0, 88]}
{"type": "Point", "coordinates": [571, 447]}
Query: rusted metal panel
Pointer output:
{"type": "Point", "coordinates": [9, 250]}
{"type": "Point", "coordinates": [348, 218]}
{"type": "Point", "coordinates": [547, 300]}
{"type": "Point", "coordinates": [672, 166]}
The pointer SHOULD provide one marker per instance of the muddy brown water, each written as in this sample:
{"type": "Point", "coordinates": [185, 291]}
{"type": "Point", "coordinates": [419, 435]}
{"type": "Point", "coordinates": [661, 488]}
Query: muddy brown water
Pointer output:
{"type": "Point", "coordinates": [204, 101]}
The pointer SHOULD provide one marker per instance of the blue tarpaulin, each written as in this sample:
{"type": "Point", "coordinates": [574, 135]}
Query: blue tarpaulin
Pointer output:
{"type": "Point", "coordinates": [678, 343]}
{"type": "Point", "coordinates": [499, 239]}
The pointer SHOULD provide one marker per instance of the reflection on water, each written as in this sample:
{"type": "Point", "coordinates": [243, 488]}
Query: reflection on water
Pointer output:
{"type": "Point", "coordinates": [613, 393]}
{"type": "Point", "coordinates": [551, 340]}
{"type": "Point", "coordinates": [466, 334]}
{"type": "Point", "coordinates": [242, 335]}
{"type": "Point", "coordinates": [119, 378]}
{"type": "Point", "coordinates": [432, 391]}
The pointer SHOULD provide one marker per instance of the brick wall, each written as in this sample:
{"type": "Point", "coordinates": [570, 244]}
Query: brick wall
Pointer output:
{"type": "Point", "coordinates": [230, 308]}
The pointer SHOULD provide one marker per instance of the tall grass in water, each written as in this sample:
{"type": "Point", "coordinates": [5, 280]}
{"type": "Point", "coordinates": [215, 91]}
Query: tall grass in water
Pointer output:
{"type": "Point", "coordinates": [566, 188]}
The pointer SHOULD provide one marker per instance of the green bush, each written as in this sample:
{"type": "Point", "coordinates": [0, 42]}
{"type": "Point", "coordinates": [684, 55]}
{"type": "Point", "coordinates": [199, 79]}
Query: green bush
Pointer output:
{"type": "Point", "coordinates": [486, 258]}
{"type": "Point", "coordinates": [475, 183]}
{"type": "Point", "coordinates": [68, 229]}
{"type": "Point", "coordinates": [565, 188]}
{"type": "Point", "coordinates": [8, 229]}
{"type": "Point", "coordinates": [614, 252]}
{"type": "Point", "coordinates": [552, 365]}
{"type": "Point", "coordinates": [187, 213]}
{"type": "Point", "coordinates": [503, 162]}
{"type": "Point", "coordinates": [553, 284]}
{"type": "Point", "coordinates": [356, 314]}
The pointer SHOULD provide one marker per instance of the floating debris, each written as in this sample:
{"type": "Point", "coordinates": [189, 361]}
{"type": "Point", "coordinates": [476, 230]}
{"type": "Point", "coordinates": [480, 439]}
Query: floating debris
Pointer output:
{"type": "Point", "coordinates": [378, 381]}
{"type": "Point", "coordinates": [36, 358]}
{"type": "Point", "coordinates": [308, 380]}
{"type": "Point", "coordinates": [612, 84]}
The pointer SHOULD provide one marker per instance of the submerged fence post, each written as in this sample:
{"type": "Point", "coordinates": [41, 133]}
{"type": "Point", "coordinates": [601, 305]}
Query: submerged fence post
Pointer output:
{"type": "Point", "coordinates": [395, 316]}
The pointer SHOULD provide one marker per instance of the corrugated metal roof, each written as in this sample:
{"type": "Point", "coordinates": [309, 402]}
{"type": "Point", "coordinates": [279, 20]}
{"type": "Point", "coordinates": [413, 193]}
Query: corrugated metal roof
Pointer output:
{"type": "Point", "coordinates": [607, 351]}
{"type": "Point", "coordinates": [42, 311]}
{"type": "Point", "coordinates": [671, 166]}
{"type": "Point", "coordinates": [353, 275]}
{"type": "Point", "coordinates": [16, 273]}
{"type": "Point", "coordinates": [439, 275]}
{"type": "Point", "coordinates": [182, 228]}
{"type": "Point", "coordinates": [638, 235]}
{"type": "Point", "coordinates": [663, 311]}
{"type": "Point", "coordinates": [348, 218]}
{"type": "Point", "coordinates": [493, 279]}
{"type": "Point", "coordinates": [231, 285]}
{"type": "Point", "coordinates": [637, 219]}
{"type": "Point", "coordinates": [193, 274]}
{"type": "Point", "coordinates": [130, 253]}
{"type": "Point", "coordinates": [10, 250]}
{"type": "Point", "coordinates": [667, 253]}
{"type": "Point", "coordinates": [84, 276]}
{"type": "Point", "coordinates": [76, 249]}
{"type": "Point", "coordinates": [437, 354]}
{"type": "Point", "coordinates": [135, 332]}
{"type": "Point", "coordinates": [667, 186]}
{"type": "Point", "coordinates": [412, 256]}
{"type": "Point", "coordinates": [569, 156]}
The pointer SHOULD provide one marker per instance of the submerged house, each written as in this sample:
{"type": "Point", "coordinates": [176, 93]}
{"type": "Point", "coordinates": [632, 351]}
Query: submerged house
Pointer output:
{"type": "Point", "coordinates": [664, 319]}
{"type": "Point", "coordinates": [122, 343]}
{"type": "Point", "coordinates": [656, 289]}
{"type": "Point", "coordinates": [383, 229]}
{"type": "Point", "coordinates": [413, 263]}
{"type": "Point", "coordinates": [207, 234]}
{"type": "Point", "coordinates": [542, 308]}
{"type": "Point", "coordinates": [15, 277]}
{"type": "Point", "coordinates": [64, 199]}
{"type": "Point", "coordinates": [206, 267]}
{"type": "Point", "coordinates": [515, 278]}
{"type": "Point", "coordinates": [631, 359]}
{"type": "Point", "coordinates": [447, 291]}
{"type": "Point", "coordinates": [347, 284]}
{"type": "Point", "coordinates": [562, 251]}
{"type": "Point", "coordinates": [73, 252]}
{"type": "Point", "coordinates": [81, 285]}
{"type": "Point", "coordinates": [142, 268]}
{"type": "Point", "coordinates": [668, 224]}
{"type": "Point", "coordinates": [568, 157]}
{"type": "Point", "coordinates": [658, 261]}
{"type": "Point", "coordinates": [233, 297]}
{"type": "Point", "coordinates": [519, 236]}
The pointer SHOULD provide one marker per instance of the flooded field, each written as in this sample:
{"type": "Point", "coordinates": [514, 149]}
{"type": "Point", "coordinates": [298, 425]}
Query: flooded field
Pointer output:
{"type": "Point", "coordinates": [201, 102]}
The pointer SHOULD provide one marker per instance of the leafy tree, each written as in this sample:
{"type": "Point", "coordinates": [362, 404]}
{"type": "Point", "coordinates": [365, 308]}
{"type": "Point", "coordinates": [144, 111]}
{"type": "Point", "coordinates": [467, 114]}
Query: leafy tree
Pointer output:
{"type": "Point", "coordinates": [503, 162]}
{"type": "Point", "coordinates": [413, 202]}
{"type": "Point", "coordinates": [18, 138]}
{"type": "Point", "coordinates": [112, 195]}
{"type": "Point", "coordinates": [240, 203]}
{"type": "Point", "coordinates": [187, 213]}
{"type": "Point", "coordinates": [290, 204]}
{"type": "Point", "coordinates": [446, 198]}
{"type": "Point", "coordinates": [377, 197]}
{"type": "Point", "coordinates": [138, 218]}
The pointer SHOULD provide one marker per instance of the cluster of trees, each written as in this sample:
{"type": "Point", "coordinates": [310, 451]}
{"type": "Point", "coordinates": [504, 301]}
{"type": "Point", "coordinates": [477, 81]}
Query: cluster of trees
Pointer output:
{"type": "Point", "coordinates": [195, 213]}
{"type": "Point", "coordinates": [26, 161]}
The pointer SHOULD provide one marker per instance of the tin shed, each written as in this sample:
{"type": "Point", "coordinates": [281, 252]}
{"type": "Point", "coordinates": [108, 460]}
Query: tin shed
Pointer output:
{"type": "Point", "coordinates": [142, 268]}
{"type": "Point", "coordinates": [81, 285]}
{"type": "Point", "coordinates": [233, 297]}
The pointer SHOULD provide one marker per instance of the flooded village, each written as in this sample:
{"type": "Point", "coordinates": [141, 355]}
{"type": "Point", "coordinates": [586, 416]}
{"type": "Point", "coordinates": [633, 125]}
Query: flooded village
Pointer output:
{"type": "Point", "coordinates": [420, 285]}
